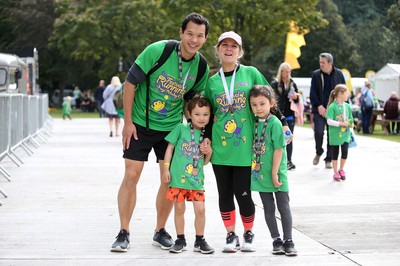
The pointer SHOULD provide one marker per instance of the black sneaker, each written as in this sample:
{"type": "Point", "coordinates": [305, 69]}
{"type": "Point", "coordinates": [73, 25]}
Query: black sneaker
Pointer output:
{"type": "Point", "coordinates": [232, 243]}
{"type": "Point", "coordinates": [248, 245]}
{"type": "Point", "coordinates": [291, 166]}
{"type": "Point", "coordinates": [162, 239]}
{"type": "Point", "coordinates": [179, 246]}
{"type": "Point", "coordinates": [277, 247]}
{"type": "Point", "coordinates": [203, 247]}
{"type": "Point", "coordinates": [289, 248]}
{"type": "Point", "coordinates": [122, 243]}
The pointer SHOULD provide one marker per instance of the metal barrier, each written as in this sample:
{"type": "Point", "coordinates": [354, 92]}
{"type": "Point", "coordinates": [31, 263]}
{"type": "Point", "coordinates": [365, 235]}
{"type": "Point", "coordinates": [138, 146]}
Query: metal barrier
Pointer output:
{"type": "Point", "coordinates": [23, 119]}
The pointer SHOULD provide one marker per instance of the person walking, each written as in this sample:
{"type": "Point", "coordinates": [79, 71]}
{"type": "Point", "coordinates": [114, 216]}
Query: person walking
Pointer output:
{"type": "Point", "coordinates": [227, 90]}
{"type": "Point", "coordinates": [286, 92]}
{"type": "Point", "coordinates": [166, 101]}
{"type": "Point", "coordinates": [340, 119]}
{"type": "Point", "coordinates": [183, 171]}
{"type": "Point", "coordinates": [323, 81]}
{"type": "Point", "coordinates": [367, 103]}
{"type": "Point", "coordinates": [67, 108]}
{"type": "Point", "coordinates": [269, 168]}
{"type": "Point", "coordinates": [98, 96]}
{"type": "Point", "coordinates": [109, 107]}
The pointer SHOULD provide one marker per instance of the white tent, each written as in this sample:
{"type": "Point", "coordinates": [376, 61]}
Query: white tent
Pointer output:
{"type": "Point", "coordinates": [386, 80]}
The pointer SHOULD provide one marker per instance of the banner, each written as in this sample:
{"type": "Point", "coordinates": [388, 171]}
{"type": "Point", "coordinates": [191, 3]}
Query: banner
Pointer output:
{"type": "Point", "coordinates": [293, 43]}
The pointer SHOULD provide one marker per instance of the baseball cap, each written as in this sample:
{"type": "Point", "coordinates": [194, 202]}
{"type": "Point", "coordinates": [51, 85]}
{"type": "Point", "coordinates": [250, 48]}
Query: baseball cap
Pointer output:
{"type": "Point", "coordinates": [230, 34]}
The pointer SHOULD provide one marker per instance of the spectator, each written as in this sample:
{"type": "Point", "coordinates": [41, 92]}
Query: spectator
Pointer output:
{"type": "Point", "coordinates": [391, 111]}
{"type": "Point", "coordinates": [366, 111]}
{"type": "Point", "coordinates": [108, 105]}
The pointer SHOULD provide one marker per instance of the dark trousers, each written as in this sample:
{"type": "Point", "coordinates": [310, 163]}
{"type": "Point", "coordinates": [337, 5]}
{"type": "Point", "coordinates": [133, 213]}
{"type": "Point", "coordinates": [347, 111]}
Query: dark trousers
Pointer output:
{"type": "Point", "coordinates": [319, 127]}
{"type": "Point", "coordinates": [289, 147]}
{"type": "Point", "coordinates": [366, 120]}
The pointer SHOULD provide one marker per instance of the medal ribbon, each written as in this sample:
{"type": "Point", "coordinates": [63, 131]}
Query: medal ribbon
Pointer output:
{"type": "Point", "coordinates": [229, 94]}
{"type": "Point", "coordinates": [180, 68]}
{"type": "Point", "coordinates": [196, 147]}
{"type": "Point", "coordinates": [258, 142]}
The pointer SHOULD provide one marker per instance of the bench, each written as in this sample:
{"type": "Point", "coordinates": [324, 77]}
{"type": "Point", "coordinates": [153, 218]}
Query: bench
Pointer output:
{"type": "Point", "coordinates": [386, 122]}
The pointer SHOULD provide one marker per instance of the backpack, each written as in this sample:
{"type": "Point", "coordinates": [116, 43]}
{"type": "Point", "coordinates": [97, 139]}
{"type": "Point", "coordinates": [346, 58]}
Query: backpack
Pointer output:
{"type": "Point", "coordinates": [118, 98]}
{"type": "Point", "coordinates": [366, 102]}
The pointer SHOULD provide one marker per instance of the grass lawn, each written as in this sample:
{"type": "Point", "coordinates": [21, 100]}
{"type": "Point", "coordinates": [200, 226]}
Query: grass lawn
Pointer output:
{"type": "Point", "coordinates": [76, 113]}
{"type": "Point", "coordinates": [378, 132]}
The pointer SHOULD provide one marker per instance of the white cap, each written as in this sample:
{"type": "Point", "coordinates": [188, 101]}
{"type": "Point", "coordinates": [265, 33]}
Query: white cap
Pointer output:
{"type": "Point", "coordinates": [230, 34]}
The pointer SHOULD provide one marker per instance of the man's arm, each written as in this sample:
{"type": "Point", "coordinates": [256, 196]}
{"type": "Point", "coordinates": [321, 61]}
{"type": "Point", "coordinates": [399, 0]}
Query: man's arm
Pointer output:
{"type": "Point", "coordinates": [129, 129]}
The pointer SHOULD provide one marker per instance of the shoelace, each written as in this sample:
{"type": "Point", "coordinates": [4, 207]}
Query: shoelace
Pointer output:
{"type": "Point", "coordinates": [121, 237]}
{"type": "Point", "coordinates": [248, 237]}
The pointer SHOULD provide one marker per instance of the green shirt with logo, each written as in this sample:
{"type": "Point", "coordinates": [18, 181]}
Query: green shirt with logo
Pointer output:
{"type": "Point", "coordinates": [341, 113]}
{"type": "Point", "coordinates": [232, 133]}
{"type": "Point", "coordinates": [166, 92]}
{"type": "Point", "coordinates": [182, 174]}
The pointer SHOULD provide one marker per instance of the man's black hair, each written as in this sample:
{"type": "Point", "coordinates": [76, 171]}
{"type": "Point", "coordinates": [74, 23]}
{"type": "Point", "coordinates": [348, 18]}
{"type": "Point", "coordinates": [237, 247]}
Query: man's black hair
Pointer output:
{"type": "Point", "coordinates": [196, 18]}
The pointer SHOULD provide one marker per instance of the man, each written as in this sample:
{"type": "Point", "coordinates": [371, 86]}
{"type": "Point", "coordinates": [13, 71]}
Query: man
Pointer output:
{"type": "Point", "coordinates": [323, 81]}
{"type": "Point", "coordinates": [98, 96]}
{"type": "Point", "coordinates": [168, 86]}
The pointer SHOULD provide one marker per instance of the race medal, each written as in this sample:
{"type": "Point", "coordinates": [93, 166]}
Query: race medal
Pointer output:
{"type": "Point", "coordinates": [258, 167]}
{"type": "Point", "coordinates": [195, 172]}
{"type": "Point", "coordinates": [231, 109]}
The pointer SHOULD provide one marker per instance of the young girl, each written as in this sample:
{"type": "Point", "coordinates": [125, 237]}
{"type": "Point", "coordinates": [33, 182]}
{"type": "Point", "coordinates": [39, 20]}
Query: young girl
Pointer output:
{"type": "Point", "coordinates": [340, 119]}
{"type": "Point", "coordinates": [269, 170]}
{"type": "Point", "coordinates": [185, 172]}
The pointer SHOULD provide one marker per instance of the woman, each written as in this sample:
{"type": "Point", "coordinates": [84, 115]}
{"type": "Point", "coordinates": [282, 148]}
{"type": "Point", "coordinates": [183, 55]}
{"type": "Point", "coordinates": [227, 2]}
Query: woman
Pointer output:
{"type": "Point", "coordinates": [232, 137]}
{"type": "Point", "coordinates": [108, 104]}
{"type": "Point", "coordinates": [286, 92]}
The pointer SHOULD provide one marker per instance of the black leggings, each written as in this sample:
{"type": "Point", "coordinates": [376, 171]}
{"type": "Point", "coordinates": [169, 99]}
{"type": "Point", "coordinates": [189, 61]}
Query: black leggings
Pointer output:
{"type": "Point", "coordinates": [234, 181]}
{"type": "Point", "coordinates": [344, 148]}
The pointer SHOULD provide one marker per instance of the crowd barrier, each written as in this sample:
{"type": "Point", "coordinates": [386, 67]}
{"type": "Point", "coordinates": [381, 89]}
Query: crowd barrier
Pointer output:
{"type": "Point", "coordinates": [24, 123]}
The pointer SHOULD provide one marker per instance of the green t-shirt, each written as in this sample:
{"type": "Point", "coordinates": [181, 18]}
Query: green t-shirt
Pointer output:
{"type": "Point", "coordinates": [341, 113]}
{"type": "Point", "coordinates": [232, 134]}
{"type": "Point", "coordinates": [166, 92]}
{"type": "Point", "coordinates": [181, 169]}
{"type": "Point", "coordinates": [262, 180]}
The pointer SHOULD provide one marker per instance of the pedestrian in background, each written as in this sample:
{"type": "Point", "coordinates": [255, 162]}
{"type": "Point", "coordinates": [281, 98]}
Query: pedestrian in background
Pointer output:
{"type": "Point", "coordinates": [286, 91]}
{"type": "Point", "coordinates": [340, 119]}
{"type": "Point", "coordinates": [109, 107]}
{"type": "Point", "coordinates": [323, 81]}
{"type": "Point", "coordinates": [98, 96]}
{"type": "Point", "coordinates": [67, 108]}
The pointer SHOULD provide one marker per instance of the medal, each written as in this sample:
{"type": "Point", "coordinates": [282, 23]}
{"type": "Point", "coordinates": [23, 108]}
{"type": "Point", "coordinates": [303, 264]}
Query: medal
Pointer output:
{"type": "Point", "coordinates": [258, 142]}
{"type": "Point", "coordinates": [258, 167]}
{"type": "Point", "coordinates": [229, 92]}
{"type": "Point", "coordinates": [195, 172]}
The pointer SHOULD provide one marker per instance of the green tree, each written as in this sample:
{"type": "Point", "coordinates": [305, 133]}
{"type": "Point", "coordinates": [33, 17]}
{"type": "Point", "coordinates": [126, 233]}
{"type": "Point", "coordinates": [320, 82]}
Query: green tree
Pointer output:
{"type": "Point", "coordinates": [394, 25]}
{"type": "Point", "coordinates": [334, 39]}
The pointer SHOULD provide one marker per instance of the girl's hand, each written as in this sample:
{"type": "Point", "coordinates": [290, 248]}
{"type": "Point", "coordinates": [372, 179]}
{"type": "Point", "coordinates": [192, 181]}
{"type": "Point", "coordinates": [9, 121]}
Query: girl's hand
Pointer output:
{"type": "Point", "coordinates": [166, 177]}
{"type": "Point", "coordinates": [205, 146]}
{"type": "Point", "coordinates": [215, 118]}
{"type": "Point", "coordinates": [344, 124]}
{"type": "Point", "coordinates": [276, 181]}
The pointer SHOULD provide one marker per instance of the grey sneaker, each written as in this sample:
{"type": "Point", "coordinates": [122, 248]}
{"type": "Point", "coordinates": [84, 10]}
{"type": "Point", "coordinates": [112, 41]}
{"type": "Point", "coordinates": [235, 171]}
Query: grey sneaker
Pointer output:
{"type": "Point", "coordinates": [277, 247]}
{"type": "Point", "coordinates": [179, 246]}
{"type": "Point", "coordinates": [289, 248]}
{"type": "Point", "coordinates": [248, 245]}
{"type": "Point", "coordinates": [203, 247]}
{"type": "Point", "coordinates": [232, 243]}
{"type": "Point", "coordinates": [122, 243]}
{"type": "Point", "coordinates": [316, 159]}
{"type": "Point", "coordinates": [162, 239]}
{"type": "Point", "coordinates": [328, 165]}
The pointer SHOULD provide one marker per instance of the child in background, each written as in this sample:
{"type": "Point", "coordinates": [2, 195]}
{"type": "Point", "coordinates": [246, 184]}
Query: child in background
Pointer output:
{"type": "Point", "coordinates": [340, 119]}
{"type": "Point", "coordinates": [185, 172]}
{"type": "Point", "coordinates": [67, 107]}
{"type": "Point", "coordinates": [269, 170]}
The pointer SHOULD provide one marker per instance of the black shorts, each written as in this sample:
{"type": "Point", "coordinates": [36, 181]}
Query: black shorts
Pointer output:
{"type": "Point", "coordinates": [139, 149]}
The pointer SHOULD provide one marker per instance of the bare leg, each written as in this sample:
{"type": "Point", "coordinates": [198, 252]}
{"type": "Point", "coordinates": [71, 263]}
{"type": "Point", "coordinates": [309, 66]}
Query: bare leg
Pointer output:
{"type": "Point", "coordinates": [163, 205]}
{"type": "Point", "coordinates": [200, 217]}
{"type": "Point", "coordinates": [179, 217]}
{"type": "Point", "coordinates": [334, 166]}
{"type": "Point", "coordinates": [127, 192]}
{"type": "Point", "coordinates": [117, 121]}
{"type": "Point", "coordinates": [110, 124]}
{"type": "Point", "coordinates": [342, 163]}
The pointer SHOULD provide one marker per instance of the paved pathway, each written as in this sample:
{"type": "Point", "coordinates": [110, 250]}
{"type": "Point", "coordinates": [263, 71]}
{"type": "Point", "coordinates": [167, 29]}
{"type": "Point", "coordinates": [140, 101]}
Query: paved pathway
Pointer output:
{"type": "Point", "coordinates": [62, 207]}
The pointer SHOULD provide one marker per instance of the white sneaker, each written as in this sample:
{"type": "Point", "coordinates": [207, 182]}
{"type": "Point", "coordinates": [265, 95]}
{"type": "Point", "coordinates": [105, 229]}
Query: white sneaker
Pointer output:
{"type": "Point", "coordinates": [248, 245]}
{"type": "Point", "coordinates": [232, 243]}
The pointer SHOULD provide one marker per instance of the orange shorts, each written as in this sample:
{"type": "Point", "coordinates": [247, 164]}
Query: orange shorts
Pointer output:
{"type": "Point", "coordinates": [180, 194]}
